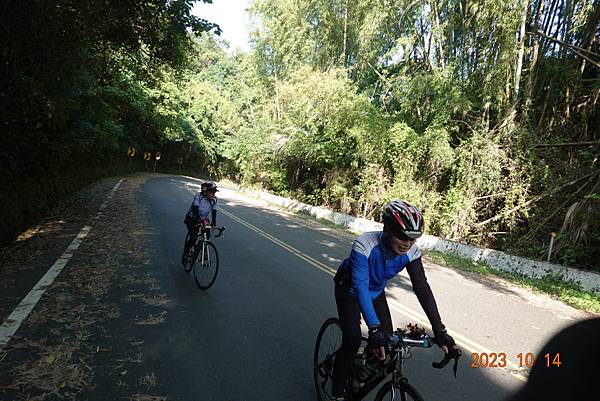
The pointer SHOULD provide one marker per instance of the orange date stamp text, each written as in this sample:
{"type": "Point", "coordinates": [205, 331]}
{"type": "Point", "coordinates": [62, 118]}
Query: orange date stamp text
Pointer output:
{"type": "Point", "coordinates": [500, 360]}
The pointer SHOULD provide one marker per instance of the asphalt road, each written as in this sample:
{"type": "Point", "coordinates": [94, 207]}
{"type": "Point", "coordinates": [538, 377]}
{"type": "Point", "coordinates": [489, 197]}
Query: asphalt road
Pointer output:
{"type": "Point", "coordinates": [251, 336]}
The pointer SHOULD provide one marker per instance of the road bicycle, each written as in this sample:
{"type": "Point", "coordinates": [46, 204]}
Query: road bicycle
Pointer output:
{"type": "Point", "coordinates": [398, 350]}
{"type": "Point", "coordinates": [204, 252]}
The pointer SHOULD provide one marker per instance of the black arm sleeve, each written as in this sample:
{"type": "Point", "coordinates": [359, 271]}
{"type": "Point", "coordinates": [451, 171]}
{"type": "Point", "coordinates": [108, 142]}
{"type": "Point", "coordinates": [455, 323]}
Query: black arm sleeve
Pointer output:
{"type": "Point", "coordinates": [424, 294]}
{"type": "Point", "coordinates": [214, 217]}
{"type": "Point", "coordinates": [196, 212]}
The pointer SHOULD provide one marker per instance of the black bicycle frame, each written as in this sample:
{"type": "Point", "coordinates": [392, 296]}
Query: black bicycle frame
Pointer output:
{"type": "Point", "coordinates": [393, 366]}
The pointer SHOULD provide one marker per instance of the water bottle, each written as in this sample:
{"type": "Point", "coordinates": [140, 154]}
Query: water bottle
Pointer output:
{"type": "Point", "coordinates": [369, 369]}
{"type": "Point", "coordinates": [359, 363]}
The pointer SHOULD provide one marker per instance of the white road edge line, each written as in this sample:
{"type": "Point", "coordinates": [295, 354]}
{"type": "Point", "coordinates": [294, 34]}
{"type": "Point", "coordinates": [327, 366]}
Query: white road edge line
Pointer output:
{"type": "Point", "coordinates": [20, 313]}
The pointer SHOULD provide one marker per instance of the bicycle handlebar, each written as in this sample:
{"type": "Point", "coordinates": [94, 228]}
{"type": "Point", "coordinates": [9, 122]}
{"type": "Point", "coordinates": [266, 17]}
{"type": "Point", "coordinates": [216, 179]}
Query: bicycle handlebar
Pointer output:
{"type": "Point", "coordinates": [221, 229]}
{"type": "Point", "coordinates": [453, 353]}
{"type": "Point", "coordinates": [204, 226]}
{"type": "Point", "coordinates": [400, 340]}
{"type": "Point", "coordinates": [417, 337]}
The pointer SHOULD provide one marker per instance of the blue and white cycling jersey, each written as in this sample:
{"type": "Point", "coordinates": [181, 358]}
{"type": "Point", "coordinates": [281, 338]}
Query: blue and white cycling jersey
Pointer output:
{"type": "Point", "coordinates": [373, 263]}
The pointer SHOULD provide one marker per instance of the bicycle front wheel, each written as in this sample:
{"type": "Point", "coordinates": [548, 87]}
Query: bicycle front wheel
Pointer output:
{"type": "Point", "coordinates": [207, 267]}
{"type": "Point", "coordinates": [401, 392]}
{"type": "Point", "coordinates": [329, 341]}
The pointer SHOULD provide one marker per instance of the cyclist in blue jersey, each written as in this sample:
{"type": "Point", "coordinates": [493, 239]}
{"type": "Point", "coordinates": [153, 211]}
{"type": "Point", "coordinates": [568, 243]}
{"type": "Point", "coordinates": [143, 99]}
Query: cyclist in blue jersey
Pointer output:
{"type": "Point", "coordinates": [204, 203]}
{"type": "Point", "coordinates": [360, 282]}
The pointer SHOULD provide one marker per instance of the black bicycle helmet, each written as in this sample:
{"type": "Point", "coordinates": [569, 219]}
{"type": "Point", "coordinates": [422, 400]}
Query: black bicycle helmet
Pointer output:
{"type": "Point", "coordinates": [404, 220]}
{"type": "Point", "coordinates": [208, 186]}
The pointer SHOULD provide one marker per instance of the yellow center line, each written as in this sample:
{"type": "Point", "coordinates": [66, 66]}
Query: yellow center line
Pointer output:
{"type": "Point", "coordinates": [300, 254]}
{"type": "Point", "coordinates": [462, 341]}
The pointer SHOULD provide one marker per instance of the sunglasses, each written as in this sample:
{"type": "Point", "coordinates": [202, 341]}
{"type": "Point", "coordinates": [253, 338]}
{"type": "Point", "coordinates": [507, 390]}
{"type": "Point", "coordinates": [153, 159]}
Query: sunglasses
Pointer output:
{"type": "Point", "coordinates": [402, 236]}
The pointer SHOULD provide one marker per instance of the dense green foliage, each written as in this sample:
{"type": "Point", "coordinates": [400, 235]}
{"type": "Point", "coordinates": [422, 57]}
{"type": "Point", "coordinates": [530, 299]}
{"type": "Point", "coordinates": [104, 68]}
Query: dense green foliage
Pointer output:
{"type": "Point", "coordinates": [81, 81]}
{"type": "Point", "coordinates": [483, 112]}
{"type": "Point", "coordinates": [461, 107]}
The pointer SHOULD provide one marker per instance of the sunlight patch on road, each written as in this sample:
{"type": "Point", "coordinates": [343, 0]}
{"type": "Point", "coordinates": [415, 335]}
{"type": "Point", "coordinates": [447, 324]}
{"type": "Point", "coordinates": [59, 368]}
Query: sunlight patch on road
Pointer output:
{"type": "Point", "coordinates": [330, 259]}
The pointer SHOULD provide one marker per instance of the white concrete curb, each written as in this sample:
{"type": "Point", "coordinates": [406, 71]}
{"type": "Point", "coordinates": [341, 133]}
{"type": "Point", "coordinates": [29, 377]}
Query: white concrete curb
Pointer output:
{"type": "Point", "coordinates": [498, 260]}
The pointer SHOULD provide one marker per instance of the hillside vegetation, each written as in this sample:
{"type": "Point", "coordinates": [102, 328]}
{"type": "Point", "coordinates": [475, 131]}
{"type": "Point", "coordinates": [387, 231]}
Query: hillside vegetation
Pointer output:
{"type": "Point", "coordinates": [484, 112]}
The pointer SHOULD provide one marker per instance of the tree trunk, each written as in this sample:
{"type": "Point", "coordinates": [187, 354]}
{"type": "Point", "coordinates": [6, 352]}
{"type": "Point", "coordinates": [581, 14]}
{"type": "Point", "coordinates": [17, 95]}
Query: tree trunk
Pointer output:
{"type": "Point", "coordinates": [560, 19]}
{"type": "Point", "coordinates": [277, 109]}
{"type": "Point", "coordinates": [545, 106]}
{"type": "Point", "coordinates": [520, 56]}
{"type": "Point", "coordinates": [547, 22]}
{"type": "Point", "coordinates": [426, 44]}
{"type": "Point", "coordinates": [535, 16]}
{"type": "Point", "coordinates": [550, 16]}
{"type": "Point", "coordinates": [590, 31]}
{"type": "Point", "coordinates": [534, 57]}
{"type": "Point", "coordinates": [439, 33]}
{"type": "Point", "coordinates": [567, 27]}
{"type": "Point", "coordinates": [345, 45]}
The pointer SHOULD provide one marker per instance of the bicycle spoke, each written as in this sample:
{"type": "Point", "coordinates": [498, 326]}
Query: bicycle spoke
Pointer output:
{"type": "Point", "coordinates": [400, 392]}
{"type": "Point", "coordinates": [207, 267]}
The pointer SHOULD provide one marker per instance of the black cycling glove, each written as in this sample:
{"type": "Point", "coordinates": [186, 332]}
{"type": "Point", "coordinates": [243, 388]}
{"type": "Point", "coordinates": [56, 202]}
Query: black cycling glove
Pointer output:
{"type": "Point", "coordinates": [377, 337]}
{"type": "Point", "coordinates": [441, 338]}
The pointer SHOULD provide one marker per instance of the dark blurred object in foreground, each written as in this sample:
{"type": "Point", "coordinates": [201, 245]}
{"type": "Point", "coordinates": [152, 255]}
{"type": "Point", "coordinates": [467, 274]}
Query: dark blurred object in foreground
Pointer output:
{"type": "Point", "coordinates": [578, 376]}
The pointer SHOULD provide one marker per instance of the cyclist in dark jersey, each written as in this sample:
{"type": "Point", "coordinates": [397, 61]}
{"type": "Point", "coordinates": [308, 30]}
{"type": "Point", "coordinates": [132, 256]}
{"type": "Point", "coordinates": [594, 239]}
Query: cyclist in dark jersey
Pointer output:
{"type": "Point", "coordinates": [360, 282]}
{"type": "Point", "coordinates": [204, 203]}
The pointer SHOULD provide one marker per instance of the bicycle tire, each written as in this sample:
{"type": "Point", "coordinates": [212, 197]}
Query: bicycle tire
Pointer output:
{"type": "Point", "coordinates": [205, 273]}
{"type": "Point", "coordinates": [330, 347]}
{"type": "Point", "coordinates": [404, 392]}
{"type": "Point", "coordinates": [190, 261]}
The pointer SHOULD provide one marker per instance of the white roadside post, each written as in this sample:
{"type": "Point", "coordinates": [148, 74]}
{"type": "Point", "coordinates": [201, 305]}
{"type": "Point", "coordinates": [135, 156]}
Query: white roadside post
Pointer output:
{"type": "Point", "coordinates": [552, 236]}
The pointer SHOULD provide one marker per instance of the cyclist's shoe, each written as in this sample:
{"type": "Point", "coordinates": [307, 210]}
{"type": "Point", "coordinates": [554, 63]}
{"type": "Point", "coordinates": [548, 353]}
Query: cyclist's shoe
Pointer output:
{"type": "Point", "coordinates": [337, 399]}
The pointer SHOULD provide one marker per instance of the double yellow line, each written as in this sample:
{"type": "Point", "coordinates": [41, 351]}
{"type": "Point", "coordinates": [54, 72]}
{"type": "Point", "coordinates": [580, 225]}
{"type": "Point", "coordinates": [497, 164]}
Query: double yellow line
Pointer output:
{"type": "Point", "coordinates": [298, 253]}
{"type": "Point", "coordinates": [461, 340]}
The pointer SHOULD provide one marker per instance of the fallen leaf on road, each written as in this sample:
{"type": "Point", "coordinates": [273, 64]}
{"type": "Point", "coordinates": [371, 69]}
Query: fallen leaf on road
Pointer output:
{"type": "Point", "coordinates": [50, 359]}
{"type": "Point", "coordinates": [149, 380]}
{"type": "Point", "coordinates": [153, 319]}
{"type": "Point", "coordinates": [146, 397]}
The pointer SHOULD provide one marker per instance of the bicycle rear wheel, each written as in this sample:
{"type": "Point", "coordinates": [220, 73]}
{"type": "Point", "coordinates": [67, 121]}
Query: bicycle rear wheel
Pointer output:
{"type": "Point", "coordinates": [205, 272]}
{"type": "Point", "coordinates": [329, 340]}
{"type": "Point", "coordinates": [402, 392]}
{"type": "Point", "coordinates": [189, 257]}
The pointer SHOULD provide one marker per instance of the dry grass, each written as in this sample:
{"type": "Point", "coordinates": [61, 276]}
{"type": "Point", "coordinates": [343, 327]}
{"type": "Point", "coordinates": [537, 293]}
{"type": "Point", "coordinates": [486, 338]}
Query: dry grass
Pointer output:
{"type": "Point", "coordinates": [158, 300]}
{"type": "Point", "coordinates": [57, 369]}
{"type": "Point", "coordinates": [58, 361]}
{"type": "Point", "coordinates": [149, 380]}
{"type": "Point", "coordinates": [146, 397]}
{"type": "Point", "coordinates": [152, 319]}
